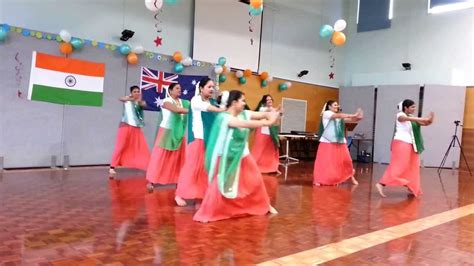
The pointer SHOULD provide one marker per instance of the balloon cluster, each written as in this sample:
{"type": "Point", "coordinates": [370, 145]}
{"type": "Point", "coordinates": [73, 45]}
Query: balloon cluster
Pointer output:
{"type": "Point", "coordinates": [265, 78]}
{"type": "Point", "coordinates": [4, 29]}
{"type": "Point", "coordinates": [221, 69]}
{"type": "Point", "coordinates": [256, 7]}
{"type": "Point", "coordinates": [338, 38]}
{"type": "Point", "coordinates": [181, 62]}
{"type": "Point", "coordinates": [243, 75]}
{"type": "Point", "coordinates": [284, 85]}
{"type": "Point", "coordinates": [131, 54]}
{"type": "Point", "coordinates": [68, 44]}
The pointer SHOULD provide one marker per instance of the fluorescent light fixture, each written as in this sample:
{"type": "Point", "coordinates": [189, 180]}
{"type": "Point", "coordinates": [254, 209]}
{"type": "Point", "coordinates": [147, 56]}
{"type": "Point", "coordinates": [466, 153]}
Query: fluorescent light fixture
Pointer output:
{"type": "Point", "coordinates": [390, 10]}
{"type": "Point", "coordinates": [358, 9]}
{"type": "Point", "coordinates": [449, 7]}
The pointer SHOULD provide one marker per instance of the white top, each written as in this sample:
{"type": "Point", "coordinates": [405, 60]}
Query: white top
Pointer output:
{"type": "Point", "coordinates": [264, 130]}
{"type": "Point", "coordinates": [329, 128]}
{"type": "Point", "coordinates": [198, 106]}
{"type": "Point", "coordinates": [403, 130]}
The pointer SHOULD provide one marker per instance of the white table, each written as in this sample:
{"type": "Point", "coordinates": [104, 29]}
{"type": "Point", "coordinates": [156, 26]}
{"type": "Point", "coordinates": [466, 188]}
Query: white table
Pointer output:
{"type": "Point", "coordinates": [287, 159]}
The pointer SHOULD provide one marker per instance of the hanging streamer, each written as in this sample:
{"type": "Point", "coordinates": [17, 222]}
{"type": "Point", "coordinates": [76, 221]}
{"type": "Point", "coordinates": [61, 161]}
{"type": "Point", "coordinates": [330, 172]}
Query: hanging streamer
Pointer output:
{"type": "Point", "coordinates": [251, 28]}
{"type": "Point", "coordinates": [158, 27]}
{"type": "Point", "coordinates": [18, 76]}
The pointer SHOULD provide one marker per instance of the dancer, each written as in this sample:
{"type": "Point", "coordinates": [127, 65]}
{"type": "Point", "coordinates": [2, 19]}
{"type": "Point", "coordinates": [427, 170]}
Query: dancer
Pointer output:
{"type": "Point", "coordinates": [333, 164]}
{"type": "Point", "coordinates": [266, 146]}
{"type": "Point", "coordinates": [192, 181]}
{"type": "Point", "coordinates": [236, 185]}
{"type": "Point", "coordinates": [168, 153]}
{"type": "Point", "coordinates": [131, 149]}
{"type": "Point", "coordinates": [407, 145]}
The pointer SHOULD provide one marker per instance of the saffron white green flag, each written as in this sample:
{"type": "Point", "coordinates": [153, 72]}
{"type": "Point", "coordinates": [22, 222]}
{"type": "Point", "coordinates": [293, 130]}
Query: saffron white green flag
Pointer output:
{"type": "Point", "coordinates": [63, 80]}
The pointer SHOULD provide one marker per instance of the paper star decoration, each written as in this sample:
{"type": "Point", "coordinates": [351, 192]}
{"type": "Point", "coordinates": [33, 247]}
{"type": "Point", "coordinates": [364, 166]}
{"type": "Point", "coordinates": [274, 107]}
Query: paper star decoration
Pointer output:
{"type": "Point", "coordinates": [158, 41]}
{"type": "Point", "coordinates": [331, 75]}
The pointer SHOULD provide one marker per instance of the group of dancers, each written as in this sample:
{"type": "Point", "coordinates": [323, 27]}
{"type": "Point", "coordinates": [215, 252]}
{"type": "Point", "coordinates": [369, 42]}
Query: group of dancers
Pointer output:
{"type": "Point", "coordinates": [202, 147]}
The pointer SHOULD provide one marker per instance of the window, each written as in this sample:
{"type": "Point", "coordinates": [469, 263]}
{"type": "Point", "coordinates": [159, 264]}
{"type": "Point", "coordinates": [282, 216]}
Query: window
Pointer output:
{"type": "Point", "coordinates": [442, 6]}
{"type": "Point", "coordinates": [374, 14]}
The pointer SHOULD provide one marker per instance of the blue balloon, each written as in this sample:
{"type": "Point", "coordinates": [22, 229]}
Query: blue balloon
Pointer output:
{"type": "Point", "coordinates": [282, 86]}
{"type": "Point", "coordinates": [221, 61]}
{"type": "Point", "coordinates": [6, 27]}
{"type": "Point", "coordinates": [77, 43]}
{"type": "Point", "coordinates": [255, 11]}
{"type": "Point", "coordinates": [3, 34]}
{"type": "Point", "coordinates": [125, 49]}
{"type": "Point", "coordinates": [171, 2]}
{"type": "Point", "coordinates": [178, 68]}
{"type": "Point", "coordinates": [25, 32]}
{"type": "Point", "coordinates": [326, 31]}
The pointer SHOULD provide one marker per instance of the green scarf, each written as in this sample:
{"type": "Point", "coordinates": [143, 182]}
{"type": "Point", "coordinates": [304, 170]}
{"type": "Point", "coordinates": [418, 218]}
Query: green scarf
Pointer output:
{"type": "Point", "coordinates": [172, 137]}
{"type": "Point", "coordinates": [339, 126]}
{"type": "Point", "coordinates": [417, 138]}
{"type": "Point", "coordinates": [227, 144]}
{"type": "Point", "coordinates": [274, 131]}
{"type": "Point", "coordinates": [207, 122]}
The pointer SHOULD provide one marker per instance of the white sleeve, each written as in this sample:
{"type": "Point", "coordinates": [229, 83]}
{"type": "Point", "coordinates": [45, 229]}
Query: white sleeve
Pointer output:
{"type": "Point", "coordinates": [328, 114]}
{"type": "Point", "coordinates": [197, 104]}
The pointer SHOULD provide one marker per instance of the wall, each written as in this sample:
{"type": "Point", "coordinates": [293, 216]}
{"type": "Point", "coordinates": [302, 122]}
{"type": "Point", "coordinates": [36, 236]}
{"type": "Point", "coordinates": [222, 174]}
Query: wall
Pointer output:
{"type": "Point", "coordinates": [290, 34]}
{"type": "Point", "coordinates": [314, 94]}
{"type": "Point", "coordinates": [439, 47]}
{"type": "Point", "coordinates": [468, 130]}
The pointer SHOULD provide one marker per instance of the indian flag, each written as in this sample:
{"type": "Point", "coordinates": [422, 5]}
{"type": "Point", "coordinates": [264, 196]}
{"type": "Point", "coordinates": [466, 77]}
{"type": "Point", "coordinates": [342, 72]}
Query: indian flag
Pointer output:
{"type": "Point", "coordinates": [66, 81]}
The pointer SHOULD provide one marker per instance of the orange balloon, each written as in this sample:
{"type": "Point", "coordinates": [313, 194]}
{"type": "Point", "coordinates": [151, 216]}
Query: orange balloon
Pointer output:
{"type": "Point", "coordinates": [65, 48]}
{"type": "Point", "coordinates": [264, 75]}
{"type": "Point", "coordinates": [132, 58]}
{"type": "Point", "coordinates": [256, 3]}
{"type": "Point", "coordinates": [338, 38]}
{"type": "Point", "coordinates": [247, 73]}
{"type": "Point", "coordinates": [177, 56]}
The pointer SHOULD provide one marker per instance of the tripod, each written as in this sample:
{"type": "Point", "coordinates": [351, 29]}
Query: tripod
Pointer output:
{"type": "Point", "coordinates": [452, 144]}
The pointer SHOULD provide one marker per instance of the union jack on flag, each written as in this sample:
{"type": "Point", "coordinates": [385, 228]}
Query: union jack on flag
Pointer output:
{"type": "Point", "coordinates": [154, 86]}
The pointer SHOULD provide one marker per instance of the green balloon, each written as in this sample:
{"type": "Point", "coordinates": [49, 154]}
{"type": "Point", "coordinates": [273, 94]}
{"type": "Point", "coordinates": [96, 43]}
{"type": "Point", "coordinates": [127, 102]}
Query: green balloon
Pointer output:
{"type": "Point", "coordinates": [264, 83]}
{"type": "Point", "coordinates": [222, 78]}
{"type": "Point", "coordinates": [242, 80]}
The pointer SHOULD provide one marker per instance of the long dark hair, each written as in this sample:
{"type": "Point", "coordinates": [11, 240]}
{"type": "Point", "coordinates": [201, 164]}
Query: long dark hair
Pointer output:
{"type": "Point", "coordinates": [234, 95]}
{"type": "Point", "coordinates": [328, 104]}
{"type": "Point", "coordinates": [133, 88]}
{"type": "Point", "coordinates": [263, 101]}
{"type": "Point", "coordinates": [407, 103]}
{"type": "Point", "coordinates": [203, 82]}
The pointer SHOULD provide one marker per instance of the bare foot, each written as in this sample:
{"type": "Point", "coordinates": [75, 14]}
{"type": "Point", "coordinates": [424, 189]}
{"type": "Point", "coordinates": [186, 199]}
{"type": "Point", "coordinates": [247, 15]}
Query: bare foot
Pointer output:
{"type": "Point", "coordinates": [278, 172]}
{"type": "Point", "coordinates": [197, 205]}
{"type": "Point", "coordinates": [112, 173]}
{"type": "Point", "coordinates": [354, 181]}
{"type": "Point", "coordinates": [380, 189]}
{"type": "Point", "coordinates": [317, 184]}
{"type": "Point", "coordinates": [150, 187]}
{"type": "Point", "coordinates": [272, 210]}
{"type": "Point", "coordinates": [180, 201]}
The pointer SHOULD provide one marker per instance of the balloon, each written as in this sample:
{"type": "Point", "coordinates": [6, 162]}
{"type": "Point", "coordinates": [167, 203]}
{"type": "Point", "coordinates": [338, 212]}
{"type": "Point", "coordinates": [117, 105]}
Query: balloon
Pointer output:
{"type": "Point", "coordinates": [256, 3]}
{"type": "Point", "coordinates": [65, 35]}
{"type": "Point", "coordinates": [247, 73]}
{"type": "Point", "coordinates": [338, 38]}
{"type": "Point", "coordinates": [125, 49]}
{"type": "Point", "coordinates": [239, 73]}
{"type": "Point", "coordinates": [340, 25]}
{"type": "Point", "coordinates": [77, 44]}
{"type": "Point", "coordinates": [177, 56]}
{"type": "Point", "coordinates": [65, 48]}
{"type": "Point", "coordinates": [188, 61]}
{"type": "Point", "coordinates": [3, 34]}
{"type": "Point", "coordinates": [264, 75]}
{"type": "Point", "coordinates": [132, 58]}
{"type": "Point", "coordinates": [264, 83]}
{"type": "Point", "coordinates": [138, 49]}
{"type": "Point", "coordinates": [282, 86]}
{"type": "Point", "coordinates": [154, 5]}
{"type": "Point", "coordinates": [255, 11]}
{"type": "Point", "coordinates": [178, 68]}
{"type": "Point", "coordinates": [221, 61]}
{"type": "Point", "coordinates": [288, 84]}
{"type": "Point", "coordinates": [326, 31]}
{"type": "Point", "coordinates": [269, 79]}
{"type": "Point", "coordinates": [222, 78]}
{"type": "Point", "coordinates": [242, 80]}
{"type": "Point", "coordinates": [218, 69]}
{"type": "Point", "coordinates": [171, 2]}
{"type": "Point", "coordinates": [6, 27]}
{"type": "Point", "coordinates": [25, 32]}
{"type": "Point", "coordinates": [226, 69]}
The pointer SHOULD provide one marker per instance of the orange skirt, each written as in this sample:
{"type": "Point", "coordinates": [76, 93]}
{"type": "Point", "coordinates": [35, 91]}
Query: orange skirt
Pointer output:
{"type": "Point", "coordinates": [404, 168]}
{"type": "Point", "coordinates": [165, 165]}
{"type": "Point", "coordinates": [192, 181]}
{"type": "Point", "coordinates": [252, 198]}
{"type": "Point", "coordinates": [266, 155]}
{"type": "Point", "coordinates": [333, 164]}
{"type": "Point", "coordinates": [131, 149]}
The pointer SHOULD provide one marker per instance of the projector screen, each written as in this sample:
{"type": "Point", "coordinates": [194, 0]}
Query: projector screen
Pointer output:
{"type": "Point", "coordinates": [222, 28]}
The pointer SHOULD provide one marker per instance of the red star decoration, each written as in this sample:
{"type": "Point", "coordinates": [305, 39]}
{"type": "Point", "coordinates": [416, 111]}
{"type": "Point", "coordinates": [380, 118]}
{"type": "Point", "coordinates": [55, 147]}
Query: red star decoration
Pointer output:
{"type": "Point", "coordinates": [331, 75]}
{"type": "Point", "coordinates": [19, 94]}
{"type": "Point", "coordinates": [158, 41]}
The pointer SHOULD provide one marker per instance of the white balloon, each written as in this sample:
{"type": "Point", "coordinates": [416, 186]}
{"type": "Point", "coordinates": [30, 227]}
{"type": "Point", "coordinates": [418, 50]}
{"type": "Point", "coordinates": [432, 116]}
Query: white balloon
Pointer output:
{"type": "Point", "coordinates": [65, 35]}
{"type": "Point", "coordinates": [188, 61]}
{"type": "Point", "coordinates": [154, 5]}
{"type": "Point", "coordinates": [340, 25]}
{"type": "Point", "coordinates": [218, 69]}
{"type": "Point", "coordinates": [239, 74]}
{"type": "Point", "coordinates": [227, 69]}
{"type": "Point", "coordinates": [269, 79]}
{"type": "Point", "coordinates": [138, 49]}
{"type": "Point", "coordinates": [288, 84]}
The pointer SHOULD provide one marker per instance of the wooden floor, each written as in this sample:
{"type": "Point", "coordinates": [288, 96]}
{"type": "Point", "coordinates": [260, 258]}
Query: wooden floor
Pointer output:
{"type": "Point", "coordinates": [80, 217]}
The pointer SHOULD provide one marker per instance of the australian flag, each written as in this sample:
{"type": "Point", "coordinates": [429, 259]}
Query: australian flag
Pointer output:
{"type": "Point", "coordinates": [154, 86]}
